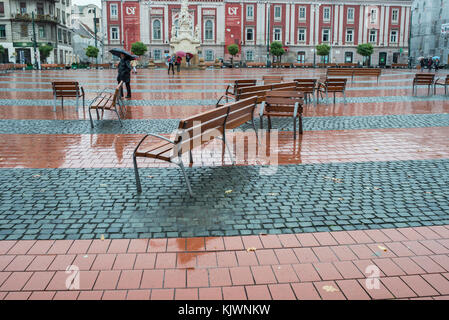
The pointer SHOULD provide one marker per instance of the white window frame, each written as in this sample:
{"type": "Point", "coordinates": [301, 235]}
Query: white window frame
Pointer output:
{"type": "Point", "coordinates": [371, 34]}
{"type": "Point", "coordinates": [373, 16]}
{"type": "Point", "coordinates": [304, 34]}
{"type": "Point", "coordinates": [328, 35]}
{"type": "Point", "coordinates": [348, 18]}
{"type": "Point", "coordinates": [246, 34]}
{"type": "Point", "coordinates": [113, 16]}
{"type": "Point", "coordinates": [349, 32]}
{"type": "Point", "coordinates": [153, 29]}
{"type": "Point", "coordinates": [280, 34]}
{"type": "Point", "coordinates": [396, 36]}
{"type": "Point", "coordinates": [112, 33]}
{"type": "Point", "coordinates": [395, 21]}
{"type": "Point", "coordinates": [305, 13]}
{"type": "Point", "coordinates": [328, 10]}
{"type": "Point", "coordinates": [207, 52]}
{"type": "Point", "coordinates": [249, 17]}
{"type": "Point", "coordinates": [249, 53]}
{"type": "Point", "coordinates": [277, 18]}
{"type": "Point", "coordinates": [205, 30]}
{"type": "Point", "coordinates": [155, 56]}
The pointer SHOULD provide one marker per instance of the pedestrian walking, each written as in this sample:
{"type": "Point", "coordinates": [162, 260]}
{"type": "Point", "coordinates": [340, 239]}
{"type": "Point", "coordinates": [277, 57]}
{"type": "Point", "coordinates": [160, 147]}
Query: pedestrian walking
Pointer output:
{"type": "Point", "coordinates": [134, 65]}
{"type": "Point", "coordinates": [188, 57]}
{"type": "Point", "coordinates": [124, 74]}
{"type": "Point", "coordinates": [437, 64]}
{"type": "Point", "coordinates": [171, 63]}
{"type": "Point", "coordinates": [429, 64]}
{"type": "Point", "coordinates": [178, 63]}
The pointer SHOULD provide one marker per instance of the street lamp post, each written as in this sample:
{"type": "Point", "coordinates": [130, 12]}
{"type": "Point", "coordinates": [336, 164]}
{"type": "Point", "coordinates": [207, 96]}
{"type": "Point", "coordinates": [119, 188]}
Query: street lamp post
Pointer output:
{"type": "Point", "coordinates": [95, 31]}
{"type": "Point", "coordinates": [268, 36]}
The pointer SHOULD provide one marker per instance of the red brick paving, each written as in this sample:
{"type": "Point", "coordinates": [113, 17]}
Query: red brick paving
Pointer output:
{"type": "Point", "coordinates": [279, 271]}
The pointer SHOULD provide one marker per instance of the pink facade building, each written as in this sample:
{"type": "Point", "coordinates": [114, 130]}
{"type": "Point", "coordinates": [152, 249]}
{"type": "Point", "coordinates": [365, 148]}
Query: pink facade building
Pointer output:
{"type": "Point", "coordinates": [299, 25]}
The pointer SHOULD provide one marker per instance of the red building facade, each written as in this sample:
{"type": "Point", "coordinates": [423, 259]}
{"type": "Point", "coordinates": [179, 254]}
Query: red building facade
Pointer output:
{"type": "Point", "coordinates": [253, 25]}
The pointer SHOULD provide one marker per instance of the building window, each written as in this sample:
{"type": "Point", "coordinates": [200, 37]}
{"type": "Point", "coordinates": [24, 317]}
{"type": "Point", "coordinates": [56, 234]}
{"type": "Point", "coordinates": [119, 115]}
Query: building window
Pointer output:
{"type": "Point", "coordinates": [64, 34]}
{"type": "Point", "coordinates": [326, 14]}
{"type": "Point", "coordinates": [277, 12]}
{"type": "Point", "coordinates": [249, 12]}
{"type": "Point", "coordinates": [373, 36]}
{"type": "Point", "coordinates": [157, 54]}
{"type": "Point", "coordinates": [394, 36]}
{"type": "Point", "coordinates": [59, 35]}
{"type": "Point", "coordinates": [42, 34]}
{"type": "Point", "coordinates": [50, 10]}
{"type": "Point", "coordinates": [23, 7]}
{"type": "Point", "coordinates": [58, 15]}
{"type": "Point", "coordinates": [69, 37]}
{"type": "Point", "coordinates": [350, 16]}
{"type": "Point", "coordinates": [348, 57]}
{"type": "Point", "coordinates": [209, 30]}
{"type": "Point", "coordinates": [209, 55]}
{"type": "Point", "coordinates": [2, 31]}
{"type": "Point", "coordinates": [325, 35]}
{"type": "Point", "coordinates": [249, 34]}
{"type": "Point", "coordinates": [249, 55]}
{"type": "Point", "coordinates": [63, 17]}
{"type": "Point", "coordinates": [301, 35]}
{"type": "Point", "coordinates": [2, 9]}
{"type": "Point", "coordinates": [373, 15]}
{"type": "Point", "coordinates": [277, 34]}
{"type": "Point", "coordinates": [114, 11]}
{"type": "Point", "coordinates": [302, 13]}
{"type": "Point", "coordinates": [301, 57]}
{"type": "Point", "coordinates": [24, 30]}
{"type": "Point", "coordinates": [349, 35]}
{"type": "Point", "coordinates": [157, 34]}
{"type": "Point", "coordinates": [114, 33]}
{"type": "Point", "coordinates": [395, 16]}
{"type": "Point", "coordinates": [40, 8]}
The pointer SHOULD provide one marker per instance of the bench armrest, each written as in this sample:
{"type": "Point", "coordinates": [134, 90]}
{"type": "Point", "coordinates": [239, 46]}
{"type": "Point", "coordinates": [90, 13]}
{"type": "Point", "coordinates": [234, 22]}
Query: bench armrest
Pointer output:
{"type": "Point", "coordinates": [223, 96]}
{"type": "Point", "coordinates": [153, 135]}
{"type": "Point", "coordinates": [262, 107]}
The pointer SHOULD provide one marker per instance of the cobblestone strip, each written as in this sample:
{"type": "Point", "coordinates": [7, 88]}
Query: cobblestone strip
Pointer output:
{"type": "Point", "coordinates": [134, 126]}
{"type": "Point", "coordinates": [86, 203]}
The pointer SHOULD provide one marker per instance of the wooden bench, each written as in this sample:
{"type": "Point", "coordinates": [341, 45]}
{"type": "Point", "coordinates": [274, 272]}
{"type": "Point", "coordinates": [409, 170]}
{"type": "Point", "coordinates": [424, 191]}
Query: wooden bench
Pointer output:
{"type": "Point", "coordinates": [67, 89]}
{"type": "Point", "coordinates": [283, 104]}
{"type": "Point", "coordinates": [332, 85]}
{"type": "Point", "coordinates": [326, 65]}
{"type": "Point", "coordinates": [308, 87]}
{"type": "Point", "coordinates": [19, 66]}
{"type": "Point", "coordinates": [272, 79]}
{"type": "Point", "coordinates": [340, 72]}
{"type": "Point", "coordinates": [231, 89]}
{"type": "Point", "coordinates": [423, 79]}
{"type": "Point", "coordinates": [367, 72]}
{"type": "Point", "coordinates": [255, 64]}
{"type": "Point", "coordinates": [108, 101]}
{"type": "Point", "coordinates": [260, 91]}
{"type": "Point", "coordinates": [282, 64]}
{"type": "Point", "coordinates": [101, 65]}
{"type": "Point", "coordinates": [303, 65]}
{"type": "Point", "coordinates": [5, 67]}
{"type": "Point", "coordinates": [347, 65]}
{"type": "Point", "coordinates": [399, 65]}
{"type": "Point", "coordinates": [444, 83]}
{"type": "Point", "coordinates": [194, 132]}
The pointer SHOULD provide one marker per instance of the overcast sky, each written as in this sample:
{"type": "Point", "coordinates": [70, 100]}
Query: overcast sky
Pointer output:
{"type": "Point", "coordinates": [84, 2]}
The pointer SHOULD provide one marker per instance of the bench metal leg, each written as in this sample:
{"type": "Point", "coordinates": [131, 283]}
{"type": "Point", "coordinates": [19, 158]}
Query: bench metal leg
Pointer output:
{"type": "Point", "coordinates": [136, 173]}
{"type": "Point", "coordinates": [77, 103]}
{"type": "Point", "coordinates": [190, 156]}
{"type": "Point", "coordinates": [91, 121]}
{"type": "Point", "coordinates": [62, 103]}
{"type": "Point", "coordinates": [254, 127]}
{"type": "Point", "coordinates": [300, 129]}
{"type": "Point", "coordinates": [54, 103]}
{"type": "Point", "coordinates": [119, 120]}
{"type": "Point", "coordinates": [181, 165]}
{"type": "Point", "coordinates": [227, 148]}
{"type": "Point", "coordinates": [294, 128]}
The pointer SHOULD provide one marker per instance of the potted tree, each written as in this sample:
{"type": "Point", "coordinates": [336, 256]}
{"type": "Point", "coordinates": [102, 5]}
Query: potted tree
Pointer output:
{"type": "Point", "coordinates": [277, 50]}
{"type": "Point", "coordinates": [323, 50]}
{"type": "Point", "coordinates": [92, 52]}
{"type": "Point", "coordinates": [233, 50]}
{"type": "Point", "coordinates": [365, 50]}
{"type": "Point", "coordinates": [139, 48]}
{"type": "Point", "coordinates": [45, 51]}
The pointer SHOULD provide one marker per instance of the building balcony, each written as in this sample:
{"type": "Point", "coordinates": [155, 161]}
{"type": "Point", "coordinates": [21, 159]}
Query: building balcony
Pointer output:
{"type": "Point", "coordinates": [37, 17]}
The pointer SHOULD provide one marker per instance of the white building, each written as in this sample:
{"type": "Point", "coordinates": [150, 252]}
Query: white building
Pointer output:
{"type": "Point", "coordinates": [51, 26]}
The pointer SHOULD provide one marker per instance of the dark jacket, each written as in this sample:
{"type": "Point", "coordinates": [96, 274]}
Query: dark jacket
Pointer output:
{"type": "Point", "coordinates": [124, 71]}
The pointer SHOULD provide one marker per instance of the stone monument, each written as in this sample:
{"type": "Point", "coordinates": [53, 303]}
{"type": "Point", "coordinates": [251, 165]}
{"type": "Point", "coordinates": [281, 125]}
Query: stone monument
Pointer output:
{"type": "Point", "coordinates": [187, 38]}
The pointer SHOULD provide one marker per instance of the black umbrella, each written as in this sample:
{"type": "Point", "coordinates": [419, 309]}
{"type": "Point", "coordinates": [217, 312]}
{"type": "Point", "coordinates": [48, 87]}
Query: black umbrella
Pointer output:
{"type": "Point", "coordinates": [118, 51]}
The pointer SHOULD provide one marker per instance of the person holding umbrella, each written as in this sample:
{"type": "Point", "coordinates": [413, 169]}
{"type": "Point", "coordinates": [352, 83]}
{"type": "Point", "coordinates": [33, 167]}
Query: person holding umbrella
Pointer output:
{"type": "Point", "coordinates": [124, 69]}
